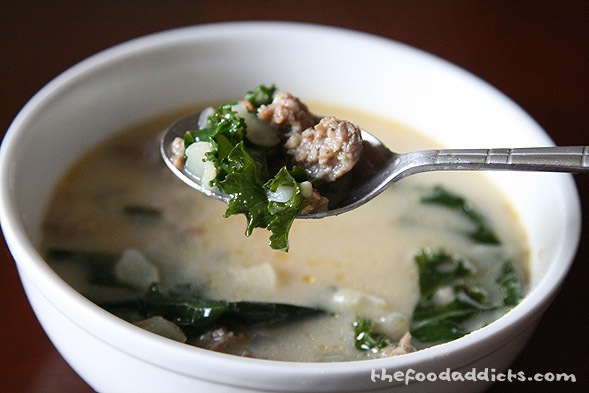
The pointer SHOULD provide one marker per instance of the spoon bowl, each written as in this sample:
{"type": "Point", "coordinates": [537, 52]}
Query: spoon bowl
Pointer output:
{"type": "Point", "coordinates": [380, 167]}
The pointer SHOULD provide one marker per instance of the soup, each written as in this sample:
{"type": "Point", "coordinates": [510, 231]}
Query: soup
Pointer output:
{"type": "Point", "coordinates": [383, 280]}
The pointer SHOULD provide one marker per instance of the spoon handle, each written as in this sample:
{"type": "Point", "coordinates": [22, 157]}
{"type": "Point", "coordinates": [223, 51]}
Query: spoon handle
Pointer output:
{"type": "Point", "coordinates": [548, 159]}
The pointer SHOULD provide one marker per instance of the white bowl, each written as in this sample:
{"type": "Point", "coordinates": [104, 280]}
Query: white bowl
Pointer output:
{"type": "Point", "coordinates": [173, 69]}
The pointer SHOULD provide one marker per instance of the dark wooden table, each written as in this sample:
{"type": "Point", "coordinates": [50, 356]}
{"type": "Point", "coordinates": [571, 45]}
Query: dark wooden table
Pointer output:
{"type": "Point", "coordinates": [537, 52]}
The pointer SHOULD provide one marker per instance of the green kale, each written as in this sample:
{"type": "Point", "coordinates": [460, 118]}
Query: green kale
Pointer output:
{"type": "Point", "coordinates": [99, 265]}
{"type": "Point", "coordinates": [440, 323]}
{"type": "Point", "coordinates": [243, 181]}
{"type": "Point", "coordinates": [437, 321]}
{"type": "Point", "coordinates": [283, 214]}
{"type": "Point", "coordinates": [511, 287]}
{"type": "Point", "coordinates": [365, 337]}
{"type": "Point", "coordinates": [437, 269]}
{"type": "Point", "coordinates": [261, 95]}
{"type": "Point", "coordinates": [482, 232]}
{"type": "Point", "coordinates": [243, 171]}
{"type": "Point", "coordinates": [196, 315]}
{"type": "Point", "coordinates": [190, 313]}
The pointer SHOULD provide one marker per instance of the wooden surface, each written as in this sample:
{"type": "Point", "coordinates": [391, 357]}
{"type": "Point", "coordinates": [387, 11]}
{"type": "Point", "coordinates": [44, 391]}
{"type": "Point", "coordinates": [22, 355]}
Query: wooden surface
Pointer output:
{"type": "Point", "coordinates": [537, 52]}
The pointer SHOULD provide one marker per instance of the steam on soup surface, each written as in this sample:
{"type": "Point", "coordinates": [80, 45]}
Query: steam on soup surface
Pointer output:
{"type": "Point", "coordinates": [431, 259]}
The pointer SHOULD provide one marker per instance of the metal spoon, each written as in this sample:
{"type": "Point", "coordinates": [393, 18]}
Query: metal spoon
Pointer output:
{"type": "Point", "coordinates": [379, 167]}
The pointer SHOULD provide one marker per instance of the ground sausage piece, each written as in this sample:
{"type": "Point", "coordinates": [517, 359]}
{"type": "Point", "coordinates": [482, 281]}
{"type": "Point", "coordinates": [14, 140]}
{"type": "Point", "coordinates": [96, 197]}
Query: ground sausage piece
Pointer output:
{"type": "Point", "coordinates": [403, 346]}
{"type": "Point", "coordinates": [328, 150]}
{"type": "Point", "coordinates": [287, 113]}
{"type": "Point", "coordinates": [177, 157]}
{"type": "Point", "coordinates": [315, 203]}
{"type": "Point", "coordinates": [218, 339]}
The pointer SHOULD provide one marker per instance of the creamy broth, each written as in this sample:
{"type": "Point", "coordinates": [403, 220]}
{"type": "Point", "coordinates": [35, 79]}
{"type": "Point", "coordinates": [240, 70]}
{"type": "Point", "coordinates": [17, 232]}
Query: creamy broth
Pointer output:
{"type": "Point", "coordinates": [359, 263]}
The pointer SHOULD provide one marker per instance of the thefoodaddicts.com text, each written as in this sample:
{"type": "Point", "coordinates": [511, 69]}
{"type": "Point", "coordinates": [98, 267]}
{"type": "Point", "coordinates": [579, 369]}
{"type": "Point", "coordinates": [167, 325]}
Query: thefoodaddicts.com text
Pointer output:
{"type": "Point", "coordinates": [473, 375]}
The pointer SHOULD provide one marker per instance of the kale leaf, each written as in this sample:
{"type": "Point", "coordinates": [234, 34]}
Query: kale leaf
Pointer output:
{"type": "Point", "coordinates": [243, 181]}
{"type": "Point", "coordinates": [365, 339]}
{"type": "Point", "coordinates": [437, 268]}
{"type": "Point", "coordinates": [444, 322]}
{"type": "Point", "coordinates": [511, 286]}
{"type": "Point", "coordinates": [196, 315]}
{"type": "Point", "coordinates": [243, 171]}
{"type": "Point", "coordinates": [482, 233]}
{"type": "Point", "coordinates": [261, 95]}
{"type": "Point", "coordinates": [438, 320]}
{"type": "Point", "coordinates": [283, 214]}
{"type": "Point", "coordinates": [190, 313]}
